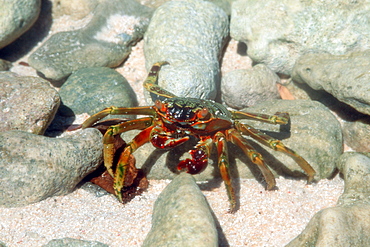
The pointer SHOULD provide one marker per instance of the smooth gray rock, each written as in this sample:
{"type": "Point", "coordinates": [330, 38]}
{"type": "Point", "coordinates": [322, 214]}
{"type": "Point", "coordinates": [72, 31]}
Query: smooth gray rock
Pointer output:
{"type": "Point", "coordinates": [182, 217]}
{"type": "Point", "coordinates": [34, 167]}
{"type": "Point", "coordinates": [314, 133]}
{"type": "Point", "coordinates": [347, 224]}
{"type": "Point", "coordinates": [27, 103]}
{"type": "Point", "coordinates": [91, 90]}
{"type": "Point", "coordinates": [278, 32]}
{"type": "Point", "coordinates": [190, 35]}
{"type": "Point", "coordinates": [346, 77]}
{"type": "Point", "coordinates": [16, 17]}
{"type": "Point", "coordinates": [242, 88]}
{"type": "Point", "coordinates": [71, 242]}
{"type": "Point", "coordinates": [105, 42]}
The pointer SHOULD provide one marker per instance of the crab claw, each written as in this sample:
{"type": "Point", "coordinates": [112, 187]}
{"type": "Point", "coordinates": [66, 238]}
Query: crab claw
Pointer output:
{"type": "Point", "coordinates": [195, 165]}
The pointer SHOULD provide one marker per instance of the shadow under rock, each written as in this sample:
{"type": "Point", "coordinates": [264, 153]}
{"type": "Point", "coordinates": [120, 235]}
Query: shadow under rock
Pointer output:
{"type": "Point", "coordinates": [60, 123]}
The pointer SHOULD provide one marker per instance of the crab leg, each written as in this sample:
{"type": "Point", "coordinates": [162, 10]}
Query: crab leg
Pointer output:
{"type": "Point", "coordinates": [277, 118]}
{"type": "Point", "coordinates": [235, 137]}
{"type": "Point", "coordinates": [141, 110]}
{"type": "Point", "coordinates": [277, 146]}
{"type": "Point", "coordinates": [151, 81]}
{"type": "Point", "coordinates": [223, 165]}
{"type": "Point", "coordinates": [108, 139]}
{"type": "Point", "coordinates": [123, 166]}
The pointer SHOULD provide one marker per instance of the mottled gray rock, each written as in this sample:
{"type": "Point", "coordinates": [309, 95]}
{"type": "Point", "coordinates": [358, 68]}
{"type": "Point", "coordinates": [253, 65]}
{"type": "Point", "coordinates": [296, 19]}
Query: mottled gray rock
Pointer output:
{"type": "Point", "coordinates": [34, 167]}
{"type": "Point", "coordinates": [346, 77]}
{"type": "Point", "coordinates": [242, 88]}
{"type": "Point", "coordinates": [347, 224]}
{"type": "Point", "coordinates": [356, 134]}
{"type": "Point", "coordinates": [76, 9]}
{"type": "Point", "coordinates": [182, 216]}
{"type": "Point", "coordinates": [71, 242]}
{"type": "Point", "coordinates": [105, 42]}
{"type": "Point", "coordinates": [16, 17]}
{"type": "Point", "coordinates": [93, 89]}
{"type": "Point", "coordinates": [189, 34]}
{"type": "Point", "coordinates": [2, 244]}
{"type": "Point", "coordinates": [27, 103]}
{"type": "Point", "coordinates": [5, 65]}
{"type": "Point", "coordinates": [278, 32]}
{"type": "Point", "coordinates": [313, 132]}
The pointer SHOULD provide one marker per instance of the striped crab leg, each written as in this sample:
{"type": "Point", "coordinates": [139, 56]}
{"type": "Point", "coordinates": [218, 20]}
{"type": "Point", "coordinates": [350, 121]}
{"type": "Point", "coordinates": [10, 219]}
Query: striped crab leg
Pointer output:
{"type": "Point", "coordinates": [151, 82]}
{"type": "Point", "coordinates": [277, 118]}
{"type": "Point", "coordinates": [276, 145]}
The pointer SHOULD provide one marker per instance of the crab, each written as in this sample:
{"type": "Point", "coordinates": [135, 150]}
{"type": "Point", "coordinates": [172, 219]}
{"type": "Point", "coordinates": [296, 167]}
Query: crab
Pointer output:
{"type": "Point", "coordinates": [172, 121]}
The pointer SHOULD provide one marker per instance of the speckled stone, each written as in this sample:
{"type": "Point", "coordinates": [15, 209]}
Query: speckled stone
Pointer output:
{"type": "Point", "coordinates": [182, 217]}
{"type": "Point", "coordinates": [71, 242]}
{"type": "Point", "coordinates": [91, 90]}
{"type": "Point", "coordinates": [16, 17]}
{"type": "Point", "coordinates": [346, 77]}
{"type": "Point", "coordinates": [278, 32]}
{"type": "Point", "coordinates": [105, 42]}
{"type": "Point", "coordinates": [27, 103]}
{"type": "Point", "coordinates": [242, 88]}
{"type": "Point", "coordinates": [190, 35]}
{"type": "Point", "coordinates": [34, 167]}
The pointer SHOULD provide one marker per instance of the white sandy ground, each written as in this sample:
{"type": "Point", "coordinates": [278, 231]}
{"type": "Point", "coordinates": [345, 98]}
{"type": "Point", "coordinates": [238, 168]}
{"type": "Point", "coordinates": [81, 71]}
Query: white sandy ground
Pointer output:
{"type": "Point", "coordinates": [265, 218]}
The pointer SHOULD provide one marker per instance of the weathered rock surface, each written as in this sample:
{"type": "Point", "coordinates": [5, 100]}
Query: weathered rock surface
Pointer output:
{"type": "Point", "coordinates": [71, 242]}
{"type": "Point", "coordinates": [16, 17]}
{"type": "Point", "coordinates": [243, 88]}
{"type": "Point", "coordinates": [346, 77]}
{"type": "Point", "coordinates": [105, 42]}
{"type": "Point", "coordinates": [356, 134]}
{"type": "Point", "coordinates": [278, 32]}
{"type": "Point", "coordinates": [190, 35]}
{"type": "Point", "coordinates": [27, 103]}
{"type": "Point", "coordinates": [91, 90]}
{"type": "Point", "coordinates": [34, 167]}
{"type": "Point", "coordinates": [182, 216]}
{"type": "Point", "coordinates": [347, 224]}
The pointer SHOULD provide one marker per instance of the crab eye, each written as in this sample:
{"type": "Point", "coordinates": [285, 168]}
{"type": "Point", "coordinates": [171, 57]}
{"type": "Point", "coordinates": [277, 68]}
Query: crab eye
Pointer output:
{"type": "Point", "coordinates": [202, 113]}
{"type": "Point", "coordinates": [160, 106]}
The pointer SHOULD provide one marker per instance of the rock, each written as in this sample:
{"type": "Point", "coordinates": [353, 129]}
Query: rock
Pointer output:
{"type": "Point", "coordinates": [243, 88]}
{"type": "Point", "coordinates": [77, 9]}
{"type": "Point", "coordinates": [182, 216]}
{"type": "Point", "coordinates": [93, 89]}
{"type": "Point", "coordinates": [346, 77]}
{"type": "Point", "coordinates": [34, 167]}
{"type": "Point", "coordinates": [190, 35]}
{"type": "Point", "coordinates": [5, 65]}
{"type": "Point", "coordinates": [278, 32]}
{"type": "Point", "coordinates": [71, 242]}
{"type": "Point", "coordinates": [347, 224]}
{"type": "Point", "coordinates": [105, 42]}
{"type": "Point", "coordinates": [27, 103]}
{"type": "Point", "coordinates": [16, 17]}
{"type": "Point", "coordinates": [357, 134]}
{"type": "Point", "coordinates": [313, 132]}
